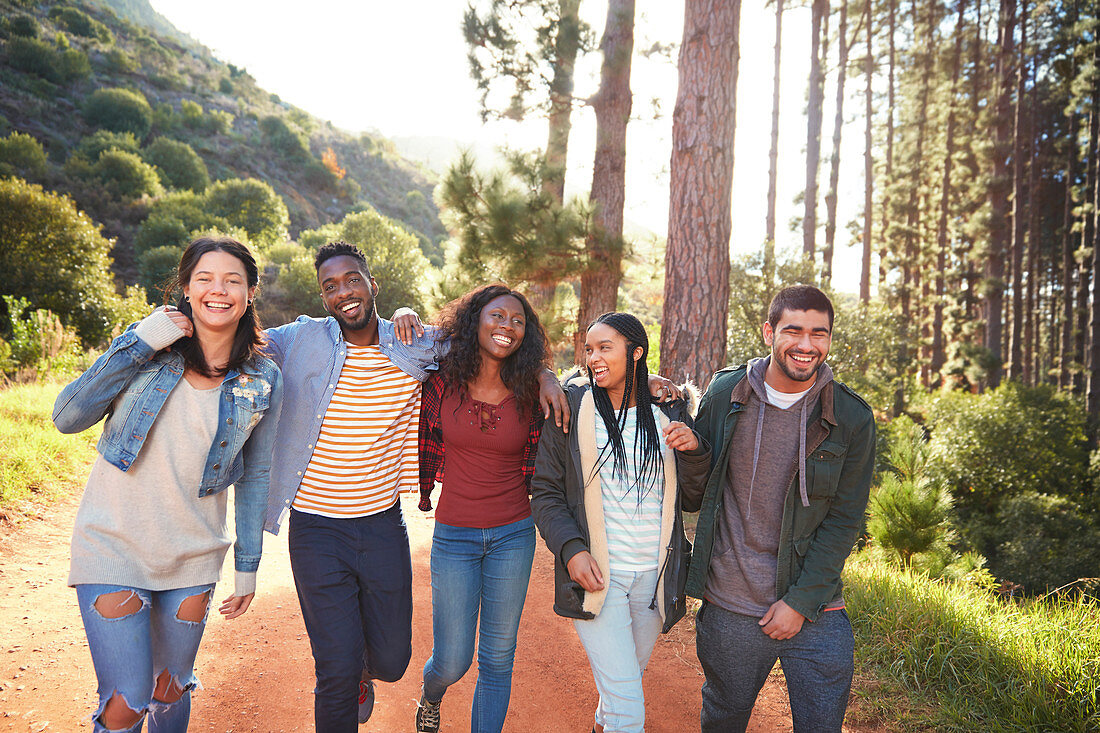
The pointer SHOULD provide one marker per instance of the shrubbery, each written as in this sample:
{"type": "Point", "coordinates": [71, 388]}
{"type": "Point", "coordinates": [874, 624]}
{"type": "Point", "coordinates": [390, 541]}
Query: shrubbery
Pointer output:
{"type": "Point", "coordinates": [173, 218]}
{"type": "Point", "coordinates": [54, 255]}
{"type": "Point", "coordinates": [251, 205]}
{"type": "Point", "coordinates": [177, 162]}
{"type": "Point", "coordinates": [89, 148]}
{"type": "Point", "coordinates": [42, 59]}
{"type": "Point", "coordinates": [121, 110]}
{"type": "Point", "coordinates": [25, 26]}
{"type": "Point", "coordinates": [22, 155]}
{"type": "Point", "coordinates": [125, 175]}
{"type": "Point", "coordinates": [79, 23]}
{"type": "Point", "coordinates": [156, 267]}
{"type": "Point", "coordinates": [120, 62]}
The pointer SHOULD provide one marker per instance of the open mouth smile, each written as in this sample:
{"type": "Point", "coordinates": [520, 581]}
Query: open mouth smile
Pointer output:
{"type": "Point", "coordinates": [350, 306]}
{"type": "Point", "coordinates": [503, 340]}
{"type": "Point", "coordinates": [803, 359]}
{"type": "Point", "coordinates": [599, 372]}
{"type": "Point", "coordinates": [217, 306]}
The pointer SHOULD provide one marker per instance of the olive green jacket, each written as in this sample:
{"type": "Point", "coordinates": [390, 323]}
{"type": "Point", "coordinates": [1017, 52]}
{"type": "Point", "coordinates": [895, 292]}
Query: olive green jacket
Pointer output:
{"type": "Point", "coordinates": [814, 540]}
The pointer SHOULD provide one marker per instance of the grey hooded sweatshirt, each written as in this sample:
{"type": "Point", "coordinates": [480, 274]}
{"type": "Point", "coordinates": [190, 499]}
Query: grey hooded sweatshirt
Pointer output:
{"type": "Point", "coordinates": [767, 451]}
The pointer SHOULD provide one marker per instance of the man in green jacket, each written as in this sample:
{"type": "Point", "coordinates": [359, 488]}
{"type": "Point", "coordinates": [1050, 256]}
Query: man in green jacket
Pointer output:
{"type": "Point", "coordinates": [791, 464]}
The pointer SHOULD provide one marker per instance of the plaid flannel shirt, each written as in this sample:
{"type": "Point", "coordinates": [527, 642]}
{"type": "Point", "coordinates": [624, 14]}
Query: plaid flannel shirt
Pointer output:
{"type": "Point", "coordinates": [431, 440]}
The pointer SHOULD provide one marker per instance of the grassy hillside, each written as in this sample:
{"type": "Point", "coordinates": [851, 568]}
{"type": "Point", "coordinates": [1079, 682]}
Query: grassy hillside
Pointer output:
{"type": "Point", "coordinates": [54, 55]}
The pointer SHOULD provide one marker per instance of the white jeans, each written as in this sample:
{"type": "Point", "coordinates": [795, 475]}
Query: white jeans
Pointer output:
{"type": "Point", "coordinates": [618, 643]}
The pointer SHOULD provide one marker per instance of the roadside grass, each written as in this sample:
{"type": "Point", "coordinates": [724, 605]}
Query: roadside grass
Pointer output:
{"type": "Point", "coordinates": [955, 657]}
{"type": "Point", "coordinates": [37, 463]}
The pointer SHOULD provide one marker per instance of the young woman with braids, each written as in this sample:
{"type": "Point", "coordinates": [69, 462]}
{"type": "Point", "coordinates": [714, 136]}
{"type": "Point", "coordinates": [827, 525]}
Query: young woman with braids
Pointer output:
{"type": "Point", "coordinates": [606, 499]}
{"type": "Point", "coordinates": [191, 407]}
{"type": "Point", "coordinates": [480, 415]}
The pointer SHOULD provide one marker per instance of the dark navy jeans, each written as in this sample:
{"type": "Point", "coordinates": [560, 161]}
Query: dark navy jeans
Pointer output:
{"type": "Point", "coordinates": [737, 657]}
{"type": "Point", "coordinates": [354, 582]}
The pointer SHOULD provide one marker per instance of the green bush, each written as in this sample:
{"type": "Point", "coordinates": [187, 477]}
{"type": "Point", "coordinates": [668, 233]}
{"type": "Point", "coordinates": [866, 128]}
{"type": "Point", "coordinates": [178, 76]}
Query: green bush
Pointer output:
{"type": "Point", "coordinates": [91, 147]}
{"type": "Point", "coordinates": [251, 205]}
{"type": "Point", "coordinates": [1045, 542]}
{"type": "Point", "coordinates": [120, 62]}
{"type": "Point", "coordinates": [285, 252]}
{"type": "Point", "coordinates": [22, 155]}
{"type": "Point", "coordinates": [293, 292]}
{"type": "Point", "coordinates": [79, 23]}
{"type": "Point", "coordinates": [225, 86]}
{"type": "Point", "coordinates": [157, 266]}
{"type": "Point", "coordinates": [25, 26]}
{"type": "Point", "coordinates": [218, 122]}
{"type": "Point", "coordinates": [73, 64]}
{"type": "Point", "coordinates": [125, 175]}
{"type": "Point", "coordinates": [1008, 441]}
{"type": "Point", "coordinates": [54, 256]}
{"type": "Point", "coordinates": [178, 163]}
{"type": "Point", "coordinates": [34, 57]}
{"type": "Point", "coordinates": [279, 136]}
{"type": "Point", "coordinates": [173, 218]}
{"type": "Point", "coordinates": [121, 110]}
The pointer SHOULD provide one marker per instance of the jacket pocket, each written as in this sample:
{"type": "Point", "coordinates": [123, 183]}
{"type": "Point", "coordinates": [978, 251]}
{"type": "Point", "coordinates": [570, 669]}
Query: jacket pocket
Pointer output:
{"type": "Point", "coordinates": [823, 469]}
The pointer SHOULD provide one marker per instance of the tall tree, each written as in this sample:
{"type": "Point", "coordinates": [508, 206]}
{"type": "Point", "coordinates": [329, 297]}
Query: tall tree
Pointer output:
{"type": "Point", "coordinates": [868, 157]}
{"type": "Point", "coordinates": [814, 113]}
{"type": "Point", "coordinates": [998, 188]}
{"type": "Point", "coordinates": [604, 244]}
{"type": "Point", "coordinates": [888, 174]}
{"type": "Point", "coordinates": [938, 354]}
{"type": "Point", "coordinates": [1066, 342]}
{"type": "Point", "coordinates": [1092, 218]}
{"type": "Point", "coordinates": [834, 162]}
{"type": "Point", "coordinates": [697, 262]}
{"type": "Point", "coordinates": [773, 152]}
{"type": "Point", "coordinates": [1019, 219]}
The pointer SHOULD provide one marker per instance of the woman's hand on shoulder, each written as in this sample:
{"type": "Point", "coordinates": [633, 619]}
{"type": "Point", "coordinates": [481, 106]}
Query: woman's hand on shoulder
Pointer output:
{"type": "Point", "coordinates": [234, 606]}
{"type": "Point", "coordinates": [552, 399]}
{"type": "Point", "coordinates": [663, 389]}
{"type": "Point", "coordinates": [679, 436]}
{"type": "Point", "coordinates": [407, 325]}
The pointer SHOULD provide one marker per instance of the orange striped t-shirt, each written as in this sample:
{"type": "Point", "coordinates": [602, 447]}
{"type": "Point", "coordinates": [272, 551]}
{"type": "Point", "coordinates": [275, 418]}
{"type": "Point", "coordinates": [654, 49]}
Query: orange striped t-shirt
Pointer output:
{"type": "Point", "coordinates": [367, 450]}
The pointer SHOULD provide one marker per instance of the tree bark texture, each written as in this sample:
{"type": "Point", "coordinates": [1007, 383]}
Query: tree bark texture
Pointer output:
{"type": "Point", "coordinates": [697, 263]}
{"type": "Point", "coordinates": [604, 245]}
{"type": "Point", "coordinates": [838, 127]}
{"type": "Point", "coordinates": [868, 159]}
{"type": "Point", "coordinates": [773, 153]}
{"type": "Point", "coordinates": [814, 112]}
{"type": "Point", "coordinates": [884, 249]}
{"type": "Point", "coordinates": [566, 47]}
{"type": "Point", "coordinates": [1092, 398]}
{"type": "Point", "coordinates": [999, 188]}
{"type": "Point", "coordinates": [1019, 206]}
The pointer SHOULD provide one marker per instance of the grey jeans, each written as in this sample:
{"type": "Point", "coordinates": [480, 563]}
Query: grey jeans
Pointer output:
{"type": "Point", "coordinates": [737, 657]}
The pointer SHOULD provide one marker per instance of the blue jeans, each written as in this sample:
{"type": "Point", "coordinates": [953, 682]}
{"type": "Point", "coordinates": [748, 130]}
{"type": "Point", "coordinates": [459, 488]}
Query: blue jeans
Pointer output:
{"type": "Point", "coordinates": [354, 583]}
{"type": "Point", "coordinates": [131, 651]}
{"type": "Point", "coordinates": [618, 643]}
{"type": "Point", "coordinates": [472, 569]}
{"type": "Point", "coordinates": [737, 656]}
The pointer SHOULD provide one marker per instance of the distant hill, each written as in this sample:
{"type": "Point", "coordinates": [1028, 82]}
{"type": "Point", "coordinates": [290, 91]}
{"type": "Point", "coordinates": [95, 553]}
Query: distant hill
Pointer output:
{"type": "Point", "coordinates": [54, 55]}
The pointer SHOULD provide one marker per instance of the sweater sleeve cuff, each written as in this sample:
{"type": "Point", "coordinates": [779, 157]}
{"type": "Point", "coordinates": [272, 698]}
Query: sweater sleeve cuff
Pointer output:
{"type": "Point", "coordinates": [158, 330]}
{"type": "Point", "coordinates": [244, 583]}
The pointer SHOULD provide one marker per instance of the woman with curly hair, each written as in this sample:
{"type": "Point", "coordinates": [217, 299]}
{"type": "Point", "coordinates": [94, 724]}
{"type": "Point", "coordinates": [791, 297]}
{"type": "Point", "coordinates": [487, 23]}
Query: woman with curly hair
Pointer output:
{"type": "Point", "coordinates": [480, 415]}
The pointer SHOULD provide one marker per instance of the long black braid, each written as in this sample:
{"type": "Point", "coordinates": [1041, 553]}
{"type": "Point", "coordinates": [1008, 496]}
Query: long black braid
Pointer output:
{"type": "Point", "coordinates": [647, 447]}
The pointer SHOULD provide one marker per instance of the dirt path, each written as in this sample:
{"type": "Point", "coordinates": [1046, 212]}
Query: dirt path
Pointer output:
{"type": "Point", "coordinates": [257, 670]}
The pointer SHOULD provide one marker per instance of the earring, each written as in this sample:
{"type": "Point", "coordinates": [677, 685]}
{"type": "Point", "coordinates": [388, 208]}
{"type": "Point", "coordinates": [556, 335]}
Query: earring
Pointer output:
{"type": "Point", "coordinates": [187, 299]}
{"type": "Point", "coordinates": [250, 301]}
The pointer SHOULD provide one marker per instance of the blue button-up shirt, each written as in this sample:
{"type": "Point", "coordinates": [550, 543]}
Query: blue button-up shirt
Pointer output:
{"type": "Point", "coordinates": [140, 379]}
{"type": "Point", "coordinates": [311, 353]}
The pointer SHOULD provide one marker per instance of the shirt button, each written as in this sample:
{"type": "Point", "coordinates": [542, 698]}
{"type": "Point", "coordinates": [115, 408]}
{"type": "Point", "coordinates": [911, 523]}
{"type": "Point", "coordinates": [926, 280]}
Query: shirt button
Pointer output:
{"type": "Point", "coordinates": [318, 417]}
{"type": "Point", "coordinates": [332, 386]}
{"type": "Point", "coordinates": [216, 466]}
{"type": "Point", "coordinates": [310, 445]}
{"type": "Point", "coordinates": [299, 473]}
{"type": "Point", "coordinates": [223, 444]}
{"type": "Point", "coordinates": [228, 421]}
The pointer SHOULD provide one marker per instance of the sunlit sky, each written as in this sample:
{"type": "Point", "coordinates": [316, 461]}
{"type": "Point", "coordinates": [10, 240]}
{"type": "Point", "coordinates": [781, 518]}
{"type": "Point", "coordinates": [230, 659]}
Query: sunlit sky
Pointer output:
{"type": "Point", "coordinates": [399, 68]}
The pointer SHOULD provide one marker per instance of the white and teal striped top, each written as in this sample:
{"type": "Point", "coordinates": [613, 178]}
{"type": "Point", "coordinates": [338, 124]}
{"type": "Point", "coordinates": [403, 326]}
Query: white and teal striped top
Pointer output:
{"type": "Point", "coordinates": [633, 526]}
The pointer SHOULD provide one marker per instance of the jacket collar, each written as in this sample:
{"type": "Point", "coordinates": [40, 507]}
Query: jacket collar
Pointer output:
{"type": "Point", "coordinates": [742, 390]}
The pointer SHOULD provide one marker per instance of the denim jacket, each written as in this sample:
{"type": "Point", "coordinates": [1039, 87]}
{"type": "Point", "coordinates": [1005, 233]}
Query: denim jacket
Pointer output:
{"type": "Point", "coordinates": [311, 353]}
{"type": "Point", "coordinates": [140, 380]}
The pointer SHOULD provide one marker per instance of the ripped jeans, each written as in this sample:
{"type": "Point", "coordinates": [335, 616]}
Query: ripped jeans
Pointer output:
{"type": "Point", "coordinates": [145, 653]}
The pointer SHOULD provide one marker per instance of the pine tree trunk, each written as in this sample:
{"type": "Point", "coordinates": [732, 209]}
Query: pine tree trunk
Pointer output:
{"type": "Point", "coordinates": [604, 245]}
{"type": "Point", "coordinates": [773, 154]}
{"type": "Point", "coordinates": [1019, 228]}
{"type": "Point", "coordinates": [938, 356]}
{"type": "Point", "coordinates": [1092, 400]}
{"type": "Point", "coordinates": [566, 46]}
{"type": "Point", "coordinates": [1065, 344]}
{"type": "Point", "coordinates": [838, 126]}
{"type": "Point", "coordinates": [999, 188]}
{"type": "Point", "coordinates": [868, 159]}
{"type": "Point", "coordinates": [1031, 294]}
{"type": "Point", "coordinates": [1085, 270]}
{"type": "Point", "coordinates": [883, 257]}
{"type": "Point", "coordinates": [697, 263]}
{"type": "Point", "coordinates": [814, 112]}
